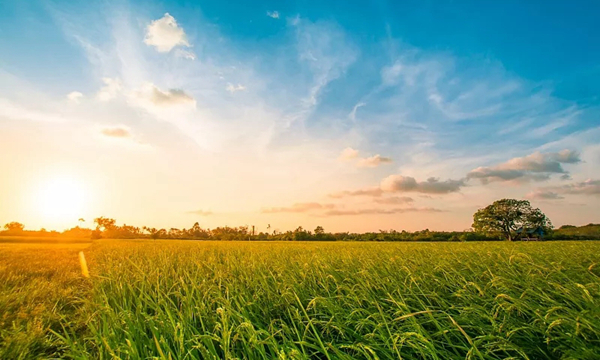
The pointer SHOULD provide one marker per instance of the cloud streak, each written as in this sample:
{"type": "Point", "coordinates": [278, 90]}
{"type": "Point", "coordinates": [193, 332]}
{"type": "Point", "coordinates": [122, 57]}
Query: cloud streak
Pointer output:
{"type": "Point", "coordinates": [380, 211]}
{"type": "Point", "coordinates": [374, 192]}
{"type": "Point", "coordinates": [588, 187]}
{"type": "Point", "coordinates": [200, 212]}
{"type": "Point", "coordinates": [116, 132]}
{"type": "Point", "coordinates": [404, 184]}
{"type": "Point", "coordinates": [373, 161]}
{"type": "Point", "coordinates": [396, 200]}
{"type": "Point", "coordinates": [350, 154]}
{"type": "Point", "coordinates": [298, 208]}
{"type": "Point", "coordinates": [543, 195]}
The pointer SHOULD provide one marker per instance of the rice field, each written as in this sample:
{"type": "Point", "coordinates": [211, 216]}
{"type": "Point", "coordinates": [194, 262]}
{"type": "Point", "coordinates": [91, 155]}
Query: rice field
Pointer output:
{"type": "Point", "coordinates": [266, 300]}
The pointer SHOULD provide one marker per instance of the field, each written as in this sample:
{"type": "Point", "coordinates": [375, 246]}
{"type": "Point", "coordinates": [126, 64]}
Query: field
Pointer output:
{"type": "Point", "coordinates": [224, 300]}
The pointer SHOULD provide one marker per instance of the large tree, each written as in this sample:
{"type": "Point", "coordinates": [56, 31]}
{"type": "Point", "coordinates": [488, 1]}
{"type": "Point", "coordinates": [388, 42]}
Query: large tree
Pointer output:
{"type": "Point", "coordinates": [14, 226]}
{"type": "Point", "coordinates": [506, 216]}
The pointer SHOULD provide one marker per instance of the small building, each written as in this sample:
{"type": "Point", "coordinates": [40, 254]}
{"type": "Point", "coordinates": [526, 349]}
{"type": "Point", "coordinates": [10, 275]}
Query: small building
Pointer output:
{"type": "Point", "coordinates": [532, 234]}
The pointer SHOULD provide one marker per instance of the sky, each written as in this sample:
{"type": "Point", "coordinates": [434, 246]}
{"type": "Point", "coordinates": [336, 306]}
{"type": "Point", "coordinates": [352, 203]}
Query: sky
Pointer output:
{"type": "Point", "coordinates": [355, 116]}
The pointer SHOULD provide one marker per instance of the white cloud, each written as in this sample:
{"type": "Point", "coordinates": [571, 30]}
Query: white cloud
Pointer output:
{"type": "Point", "coordinates": [165, 34]}
{"type": "Point", "coordinates": [235, 88]}
{"type": "Point", "coordinates": [74, 96]}
{"type": "Point", "coordinates": [273, 14]}
{"type": "Point", "coordinates": [110, 90]}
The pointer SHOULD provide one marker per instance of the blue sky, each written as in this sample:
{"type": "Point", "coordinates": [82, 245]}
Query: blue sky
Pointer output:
{"type": "Point", "coordinates": [290, 112]}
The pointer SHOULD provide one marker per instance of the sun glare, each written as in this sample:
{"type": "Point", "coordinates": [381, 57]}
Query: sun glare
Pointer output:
{"type": "Point", "coordinates": [61, 199]}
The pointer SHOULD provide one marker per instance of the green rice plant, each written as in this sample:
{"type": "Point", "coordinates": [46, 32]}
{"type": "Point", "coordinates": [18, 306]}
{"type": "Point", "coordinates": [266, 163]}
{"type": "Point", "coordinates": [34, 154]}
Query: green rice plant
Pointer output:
{"type": "Point", "coordinates": [241, 300]}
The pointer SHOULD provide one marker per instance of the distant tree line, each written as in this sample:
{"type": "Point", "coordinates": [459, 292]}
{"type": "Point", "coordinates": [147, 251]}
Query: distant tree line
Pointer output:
{"type": "Point", "coordinates": [107, 228]}
{"type": "Point", "coordinates": [505, 219]}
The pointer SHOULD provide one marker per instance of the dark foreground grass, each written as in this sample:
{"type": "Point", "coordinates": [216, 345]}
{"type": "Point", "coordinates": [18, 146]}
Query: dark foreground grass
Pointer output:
{"type": "Point", "coordinates": [220, 300]}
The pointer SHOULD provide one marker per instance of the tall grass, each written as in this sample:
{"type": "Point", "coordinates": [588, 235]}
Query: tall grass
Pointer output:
{"type": "Point", "coordinates": [210, 300]}
{"type": "Point", "coordinates": [40, 286]}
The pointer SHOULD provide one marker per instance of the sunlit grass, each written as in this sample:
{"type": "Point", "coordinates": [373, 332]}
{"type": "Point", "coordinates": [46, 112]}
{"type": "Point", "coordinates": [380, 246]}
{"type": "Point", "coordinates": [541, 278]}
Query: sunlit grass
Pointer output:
{"type": "Point", "coordinates": [40, 286]}
{"type": "Point", "coordinates": [204, 300]}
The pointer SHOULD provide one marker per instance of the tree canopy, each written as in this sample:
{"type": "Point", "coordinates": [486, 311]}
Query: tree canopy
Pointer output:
{"type": "Point", "coordinates": [14, 226]}
{"type": "Point", "coordinates": [506, 216]}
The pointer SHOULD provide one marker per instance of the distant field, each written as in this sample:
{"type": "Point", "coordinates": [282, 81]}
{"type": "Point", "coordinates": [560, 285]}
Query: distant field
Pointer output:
{"type": "Point", "coordinates": [42, 239]}
{"type": "Point", "coordinates": [217, 300]}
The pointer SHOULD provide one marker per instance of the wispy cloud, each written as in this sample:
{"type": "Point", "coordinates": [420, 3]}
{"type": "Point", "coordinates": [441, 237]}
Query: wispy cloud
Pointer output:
{"type": "Point", "coordinates": [200, 212]}
{"type": "Point", "coordinates": [186, 54]}
{"type": "Point", "coordinates": [543, 195]}
{"type": "Point", "coordinates": [352, 114]}
{"type": "Point", "coordinates": [380, 211]}
{"type": "Point", "coordinates": [374, 192]}
{"type": "Point", "coordinates": [457, 98]}
{"type": "Point", "coordinates": [235, 88]}
{"type": "Point", "coordinates": [13, 111]}
{"type": "Point", "coordinates": [588, 187]}
{"type": "Point", "coordinates": [112, 87]}
{"type": "Point", "coordinates": [298, 208]}
{"type": "Point", "coordinates": [273, 14]}
{"type": "Point", "coordinates": [327, 53]}
{"type": "Point", "coordinates": [396, 200]}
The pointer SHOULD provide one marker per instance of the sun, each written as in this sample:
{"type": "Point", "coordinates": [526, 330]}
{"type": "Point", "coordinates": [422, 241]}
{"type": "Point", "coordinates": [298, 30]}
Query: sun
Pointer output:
{"type": "Point", "coordinates": [61, 199]}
